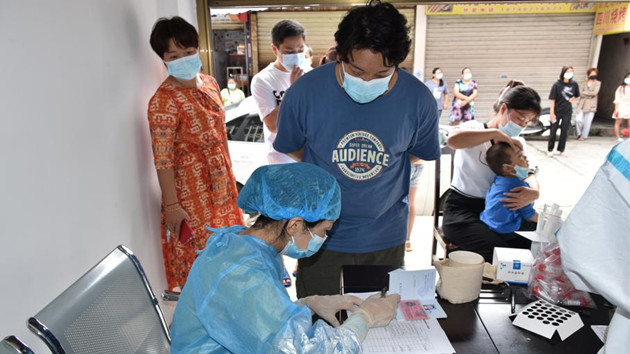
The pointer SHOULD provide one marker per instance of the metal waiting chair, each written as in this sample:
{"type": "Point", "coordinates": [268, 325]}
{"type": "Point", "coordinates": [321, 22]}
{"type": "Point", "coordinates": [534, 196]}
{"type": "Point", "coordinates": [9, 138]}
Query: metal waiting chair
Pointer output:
{"type": "Point", "coordinates": [438, 201]}
{"type": "Point", "coordinates": [13, 345]}
{"type": "Point", "coordinates": [110, 309]}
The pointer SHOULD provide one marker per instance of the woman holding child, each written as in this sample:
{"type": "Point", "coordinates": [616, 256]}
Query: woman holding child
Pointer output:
{"type": "Point", "coordinates": [517, 106]}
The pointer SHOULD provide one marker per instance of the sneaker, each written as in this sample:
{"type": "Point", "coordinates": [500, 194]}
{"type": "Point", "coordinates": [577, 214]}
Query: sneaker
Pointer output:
{"type": "Point", "coordinates": [549, 153]}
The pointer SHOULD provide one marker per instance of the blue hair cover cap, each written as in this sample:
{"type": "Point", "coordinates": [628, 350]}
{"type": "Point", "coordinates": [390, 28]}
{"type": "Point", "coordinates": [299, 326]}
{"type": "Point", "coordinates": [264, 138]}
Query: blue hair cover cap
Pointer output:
{"type": "Point", "coordinates": [285, 191]}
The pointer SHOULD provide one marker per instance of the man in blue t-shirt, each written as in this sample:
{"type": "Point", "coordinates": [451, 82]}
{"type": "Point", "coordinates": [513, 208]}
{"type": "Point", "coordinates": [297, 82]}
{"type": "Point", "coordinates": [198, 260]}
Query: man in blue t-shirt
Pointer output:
{"type": "Point", "coordinates": [362, 119]}
{"type": "Point", "coordinates": [512, 168]}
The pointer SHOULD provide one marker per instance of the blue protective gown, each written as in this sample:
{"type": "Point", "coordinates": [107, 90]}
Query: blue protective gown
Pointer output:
{"type": "Point", "coordinates": [234, 301]}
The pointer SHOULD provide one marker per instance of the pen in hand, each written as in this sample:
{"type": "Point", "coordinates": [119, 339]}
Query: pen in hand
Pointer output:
{"type": "Point", "coordinates": [384, 292]}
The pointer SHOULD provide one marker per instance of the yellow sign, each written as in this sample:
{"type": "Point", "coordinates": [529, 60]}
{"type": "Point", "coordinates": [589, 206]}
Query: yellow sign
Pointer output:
{"type": "Point", "coordinates": [509, 8]}
{"type": "Point", "coordinates": [611, 18]}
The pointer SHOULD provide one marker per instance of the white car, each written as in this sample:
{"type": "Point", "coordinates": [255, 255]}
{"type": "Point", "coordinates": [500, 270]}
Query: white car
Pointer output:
{"type": "Point", "coordinates": [245, 139]}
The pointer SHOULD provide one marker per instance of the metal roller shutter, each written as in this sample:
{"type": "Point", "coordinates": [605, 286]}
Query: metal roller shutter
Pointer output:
{"type": "Point", "coordinates": [320, 31]}
{"type": "Point", "coordinates": [531, 48]}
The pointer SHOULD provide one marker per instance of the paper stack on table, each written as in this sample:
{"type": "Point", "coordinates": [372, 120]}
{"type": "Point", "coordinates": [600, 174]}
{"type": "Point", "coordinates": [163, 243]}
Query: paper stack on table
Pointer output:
{"type": "Point", "coordinates": [419, 335]}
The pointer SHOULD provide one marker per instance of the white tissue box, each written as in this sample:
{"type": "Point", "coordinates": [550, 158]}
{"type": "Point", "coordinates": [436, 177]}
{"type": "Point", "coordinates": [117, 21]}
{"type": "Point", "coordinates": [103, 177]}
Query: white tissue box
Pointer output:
{"type": "Point", "coordinates": [513, 264]}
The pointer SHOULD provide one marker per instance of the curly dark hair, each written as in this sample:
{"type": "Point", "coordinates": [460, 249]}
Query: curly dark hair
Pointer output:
{"type": "Point", "coordinates": [378, 27]}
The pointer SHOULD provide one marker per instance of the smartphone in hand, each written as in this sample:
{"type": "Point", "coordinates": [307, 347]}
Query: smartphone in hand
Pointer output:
{"type": "Point", "coordinates": [185, 233]}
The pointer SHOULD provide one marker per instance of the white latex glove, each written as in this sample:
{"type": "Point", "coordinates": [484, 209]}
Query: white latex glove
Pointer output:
{"type": "Point", "coordinates": [379, 311]}
{"type": "Point", "coordinates": [327, 306]}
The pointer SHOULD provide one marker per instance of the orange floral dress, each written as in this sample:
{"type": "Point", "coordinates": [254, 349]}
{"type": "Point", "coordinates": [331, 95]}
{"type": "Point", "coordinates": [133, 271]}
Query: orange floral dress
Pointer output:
{"type": "Point", "coordinates": [188, 135]}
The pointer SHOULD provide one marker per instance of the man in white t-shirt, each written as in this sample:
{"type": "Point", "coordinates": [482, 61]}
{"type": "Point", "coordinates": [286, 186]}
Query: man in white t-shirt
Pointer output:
{"type": "Point", "coordinates": [270, 84]}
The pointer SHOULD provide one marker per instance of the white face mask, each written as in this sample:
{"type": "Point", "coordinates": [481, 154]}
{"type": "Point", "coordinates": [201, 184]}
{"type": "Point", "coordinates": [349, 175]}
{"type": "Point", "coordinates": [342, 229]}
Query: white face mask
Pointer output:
{"type": "Point", "coordinates": [364, 91]}
{"type": "Point", "coordinates": [568, 76]}
{"type": "Point", "coordinates": [291, 60]}
{"type": "Point", "coordinates": [439, 76]}
{"type": "Point", "coordinates": [467, 76]}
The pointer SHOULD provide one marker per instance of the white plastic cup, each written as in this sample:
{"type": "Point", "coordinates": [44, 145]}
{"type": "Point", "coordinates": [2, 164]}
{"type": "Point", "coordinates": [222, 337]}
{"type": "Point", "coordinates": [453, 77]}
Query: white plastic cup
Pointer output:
{"type": "Point", "coordinates": [464, 259]}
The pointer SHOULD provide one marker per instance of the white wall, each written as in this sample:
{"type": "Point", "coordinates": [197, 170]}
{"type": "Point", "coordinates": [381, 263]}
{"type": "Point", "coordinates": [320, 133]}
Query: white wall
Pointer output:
{"type": "Point", "coordinates": [77, 176]}
{"type": "Point", "coordinates": [420, 45]}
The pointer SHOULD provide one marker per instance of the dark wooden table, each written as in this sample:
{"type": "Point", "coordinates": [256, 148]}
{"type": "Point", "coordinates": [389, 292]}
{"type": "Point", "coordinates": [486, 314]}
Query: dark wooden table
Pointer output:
{"type": "Point", "coordinates": [511, 339]}
{"type": "Point", "coordinates": [483, 326]}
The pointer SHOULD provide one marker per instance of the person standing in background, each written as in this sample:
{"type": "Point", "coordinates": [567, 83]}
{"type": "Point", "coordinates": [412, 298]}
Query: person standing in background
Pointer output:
{"type": "Point", "coordinates": [270, 84]}
{"type": "Point", "coordinates": [622, 105]}
{"type": "Point", "coordinates": [439, 88]}
{"type": "Point", "coordinates": [307, 64]}
{"type": "Point", "coordinates": [231, 94]}
{"type": "Point", "coordinates": [587, 106]}
{"type": "Point", "coordinates": [563, 94]}
{"type": "Point", "coordinates": [465, 91]}
{"type": "Point", "coordinates": [189, 140]}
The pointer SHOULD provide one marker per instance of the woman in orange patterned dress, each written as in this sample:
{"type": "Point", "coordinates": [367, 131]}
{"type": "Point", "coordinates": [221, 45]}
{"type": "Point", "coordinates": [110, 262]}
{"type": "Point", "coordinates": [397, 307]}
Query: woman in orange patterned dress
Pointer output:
{"type": "Point", "coordinates": [189, 140]}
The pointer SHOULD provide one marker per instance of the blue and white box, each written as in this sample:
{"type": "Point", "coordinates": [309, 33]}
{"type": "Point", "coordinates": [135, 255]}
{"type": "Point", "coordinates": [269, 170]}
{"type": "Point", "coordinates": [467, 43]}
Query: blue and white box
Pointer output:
{"type": "Point", "coordinates": [513, 264]}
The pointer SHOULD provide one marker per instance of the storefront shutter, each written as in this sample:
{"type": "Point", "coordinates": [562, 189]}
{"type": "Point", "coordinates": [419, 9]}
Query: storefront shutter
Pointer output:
{"type": "Point", "coordinates": [498, 48]}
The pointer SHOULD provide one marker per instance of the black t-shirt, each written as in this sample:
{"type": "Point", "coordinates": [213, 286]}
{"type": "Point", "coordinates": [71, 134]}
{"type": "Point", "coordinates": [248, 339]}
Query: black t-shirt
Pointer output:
{"type": "Point", "coordinates": [562, 92]}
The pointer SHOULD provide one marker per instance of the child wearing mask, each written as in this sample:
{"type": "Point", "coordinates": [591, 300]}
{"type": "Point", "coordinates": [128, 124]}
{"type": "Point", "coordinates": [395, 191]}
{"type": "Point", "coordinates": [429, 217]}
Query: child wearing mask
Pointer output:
{"type": "Point", "coordinates": [511, 167]}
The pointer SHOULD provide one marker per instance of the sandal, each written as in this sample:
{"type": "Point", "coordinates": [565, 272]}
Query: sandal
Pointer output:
{"type": "Point", "coordinates": [286, 279]}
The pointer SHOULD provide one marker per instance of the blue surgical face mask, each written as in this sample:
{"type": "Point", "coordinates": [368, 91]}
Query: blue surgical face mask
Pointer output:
{"type": "Point", "coordinates": [291, 60]}
{"type": "Point", "coordinates": [511, 129]}
{"type": "Point", "coordinates": [185, 68]}
{"type": "Point", "coordinates": [626, 81]}
{"type": "Point", "coordinates": [291, 249]}
{"type": "Point", "coordinates": [467, 76]}
{"type": "Point", "coordinates": [364, 91]}
{"type": "Point", "coordinates": [568, 76]}
{"type": "Point", "coordinates": [520, 172]}
{"type": "Point", "coordinates": [231, 86]}
{"type": "Point", "coordinates": [439, 76]}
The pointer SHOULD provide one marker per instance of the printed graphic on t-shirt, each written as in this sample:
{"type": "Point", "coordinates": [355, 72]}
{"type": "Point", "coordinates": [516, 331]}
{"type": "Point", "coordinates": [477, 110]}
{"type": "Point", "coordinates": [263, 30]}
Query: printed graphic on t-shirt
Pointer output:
{"type": "Point", "coordinates": [567, 92]}
{"type": "Point", "coordinates": [360, 155]}
{"type": "Point", "coordinates": [437, 93]}
{"type": "Point", "coordinates": [278, 96]}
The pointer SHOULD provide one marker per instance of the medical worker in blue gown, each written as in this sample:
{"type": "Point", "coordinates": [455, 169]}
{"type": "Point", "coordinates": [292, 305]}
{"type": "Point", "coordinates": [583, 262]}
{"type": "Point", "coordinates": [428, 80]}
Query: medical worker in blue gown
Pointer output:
{"type": "Point", "coordinates": [234, 299]}
{"type": "Point", "coordinates": [595, 243]}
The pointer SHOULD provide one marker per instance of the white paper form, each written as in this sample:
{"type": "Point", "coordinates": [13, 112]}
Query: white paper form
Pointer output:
{"type": "Point", "coordinates": [424, 336]}
{"type": "Point", "coordinates": [417, 285]}
{"type": "Point", "coordinates": [534, 236]}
